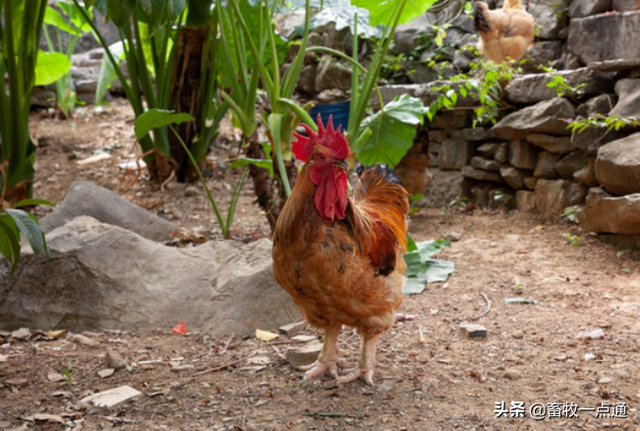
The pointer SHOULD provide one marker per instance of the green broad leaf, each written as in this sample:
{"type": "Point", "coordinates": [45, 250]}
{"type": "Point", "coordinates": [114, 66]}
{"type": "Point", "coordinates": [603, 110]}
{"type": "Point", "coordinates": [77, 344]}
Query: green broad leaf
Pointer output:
{"type": "Point", "coordinates": [9, 239]}
{"type": "Point", "coordinates": [382, 10]}
{"type": "Point", "coordinates": [51, 66]}
{"type": "Point", "coordinates": [411, 244]}
{"type": "Point", "coordinates": [155, 118]}
{"type": "Point", "coordinates": [29, 228]}
{"type": "Point", "coordinates": [157, 12]}
{"type": "Point", "coordinates": [414, 285]}
{"type": "Point", "coordinates": [26, 202]}
{"type": "Point", "coordinates": [422, 269]}
{"type": "Point", "coordinates": [107, 71]}
{"type": "Point", "coordinates": [267, 164]}
{"type": "Point", "coordinates": [342, 14]}
{"type": "Point", "coordinates": [120, 11]}
{"type": "Point", "coordinates": [393, 129]}
{"type": "Point", "coordinates": [52, 17]}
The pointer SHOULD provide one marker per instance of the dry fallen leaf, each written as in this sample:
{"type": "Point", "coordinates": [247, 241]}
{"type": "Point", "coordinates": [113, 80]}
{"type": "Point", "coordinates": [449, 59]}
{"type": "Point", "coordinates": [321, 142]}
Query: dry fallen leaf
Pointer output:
{"type": "Point", "coordinates": [180, 328]}
{"type": "Point", "coordinates": [265, 335]}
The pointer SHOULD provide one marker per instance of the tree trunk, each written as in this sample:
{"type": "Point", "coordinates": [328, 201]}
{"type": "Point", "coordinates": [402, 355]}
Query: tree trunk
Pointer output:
{"type": "Point", "coordinates": [187, 87]}
{"type": "Point", "coordinates": [262, 182]}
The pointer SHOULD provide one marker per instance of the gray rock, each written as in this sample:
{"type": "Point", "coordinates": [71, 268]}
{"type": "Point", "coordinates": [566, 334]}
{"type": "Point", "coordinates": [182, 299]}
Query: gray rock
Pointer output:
{"type": "Point", "coordinates": [485, 164]}
{"type": "Point", "coordinates": [584, 8]}
{"type": "Point", "coordinates": [526, 201]}
{"type": "Point", "coordinates": [523, 155]}
{"type": "Point", "coordinates": [533, 88]}
{"type": "Point", "coordinates": [514, 177]}
{"type": "Point", "coordinates": [553, 196]}
{"type": "Point", "coordinates": [102, 276]}
{"type": "Point", "coordinates": [628, 91]}
{"type": "Point", "coordinates": [445, 187]}
{"type": "Point", "coordinates": [607, 214]}
{"type": "Point", "coordinates": [473, 330]}
{"type": "Point", "coordinates": [390, 92]}
{"type": "Point", "coordinates": [571, 163]}
{"type": "Point", "coordinates": [332, 74]}
{"type": "Point", "coordinates": [489, 149]}
{"type": "Point", "coordinates": [480, 194]}
{"type": "Point", "coordinates": [43, 97]}
{"type": "Point", "coordinates": [549, 19]}
{"type": "Point", "coordinates": [549, 116]}
{"type": "Point", "coordinates": [592, 138]}
{"type": "Point", "coordinates": [502, 154]}
{"type": "Point", "coordinates": [625, 5]}
{"type": "Point", "coordinates": [86, 198]}
{"type": "Point", "coordinates": [587, 174]}
{"type": "Point", "coordinates": [617, 65]}
{"type": "Point", "coordinates": [551, 144]}
{"type": "Point", "coordinates": [605, 37]}
{"type": "Point", "coordinates": [601, 104]}
{"type": "Point", "coordinates": [545, 168]}
{"type": "Point", "coordinates": [305, 355]}
{"type": "Point", "coordinates": [472, 134]}
{"type": "Point", "coordinates": [530, 182]}
{"type": "Point", "coordinates": [407, 36]}
{"type": "Point", "coordinates": [543, 53]}
{"type": "Point", "coordinates": [482, 175]}
{"type": "Point", "coordinates": [452, 120]}
{"type": "Point", "coordinates": [307, 81]}
{"type": "Point", "coordinates": [454, 154]}
{"type": "Point", "coordinates": [618, 165]}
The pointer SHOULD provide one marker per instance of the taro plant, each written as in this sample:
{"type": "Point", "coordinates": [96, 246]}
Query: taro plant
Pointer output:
{"type": "Point", "coordinates": [15, 222]}
{"type": "Point", "coordinates": [171, 55]}
{"type": "Point", "coordinates": [22, 67]}
{"type": "Point", "coordinates": [155, 118]}
{"type": "Point", "coordinates": [72, 22]}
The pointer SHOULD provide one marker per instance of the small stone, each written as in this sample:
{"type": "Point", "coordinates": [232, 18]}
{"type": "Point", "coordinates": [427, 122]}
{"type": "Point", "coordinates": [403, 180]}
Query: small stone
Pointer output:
{"type": "Point", "coordinates": [292, 328]}
{"type": "Point", "coordinates": [304, 338]}
{"type": "Point", "coordinates": [474, 330]}
{"type": "Point", "coordinates": [512, 374]}
{"type": "Point", "coordinates": [452, 236]}
{"type": "Point", "coordinates": [191, 191]}
{"type": "Point", "coordinates": [114, 360]}
{"type": "Point", "coordinates": [55, 377]}
{"type": "Point", "coordinates": [593, 334]}
{"type": "Point", "coordinates": [560, 358]}
{"type": "Point", "coordinates": [44, 417]}
{"type": "Point", "coordinates": [106, 372]}
{"type": "Point", "coordinates": [305, 355]}
{"type": "Point", "coordinates": [182, 367]}
{"type": "Point", "coordinates": [604, 380]}
{"type": "Point", "coordinates": [21, 334]}
{"type": "Point", "coordinates": [81, 339]}
{"type": "Point", "coordinates": [3, 358]}
{"type": "Point", "coordinates": [111, 397]}
{"type": "Point", "coordinates": [518, 334]}
{"type": "Point", "coordinates": [588, 357]}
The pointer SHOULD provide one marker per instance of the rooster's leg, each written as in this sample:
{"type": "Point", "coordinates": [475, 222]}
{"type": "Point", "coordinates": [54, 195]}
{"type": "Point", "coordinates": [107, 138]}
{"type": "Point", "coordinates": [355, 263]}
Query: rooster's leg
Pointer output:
{"type": "Point", "coordinates": [328, 360]}
{"type": "Point", "coordinates": [367, 362]}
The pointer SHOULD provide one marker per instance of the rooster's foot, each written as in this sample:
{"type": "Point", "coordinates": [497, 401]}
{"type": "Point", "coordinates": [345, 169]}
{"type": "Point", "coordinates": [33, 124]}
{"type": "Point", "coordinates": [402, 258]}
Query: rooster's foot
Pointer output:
{"type": "Point", "coordinates": [329, 366]}
{"type": "Point", "coordinates": [365, 374]}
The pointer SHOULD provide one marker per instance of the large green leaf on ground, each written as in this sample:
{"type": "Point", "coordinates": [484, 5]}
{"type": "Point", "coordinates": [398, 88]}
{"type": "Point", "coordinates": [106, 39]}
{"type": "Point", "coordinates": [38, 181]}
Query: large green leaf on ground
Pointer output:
{"type": "Point", "coordinates": [156, 118]}
{"type": "Point", "coordinates": [51, 66]}
{"type": "Point", "coordinates": [393, 129]}
{"type": "Point", "coordinates": [422, 269]}
{"type": "Point", "coordinates": [381, 10]}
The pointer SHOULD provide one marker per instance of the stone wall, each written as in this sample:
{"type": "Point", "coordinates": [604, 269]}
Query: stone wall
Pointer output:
{"type": "Point", "coordinates": [529, 158]}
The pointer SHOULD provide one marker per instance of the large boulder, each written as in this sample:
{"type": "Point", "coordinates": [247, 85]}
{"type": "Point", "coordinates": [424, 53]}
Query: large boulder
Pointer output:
{"type": "Point", "coordinates": [618, 165]}
{"type": "Point", "coordinates": [87, 198]}
{"type": "Point", "coordinates": [548, 16]}
{"type": "Point", "coordinates": [628, 91]}
{"type": "Point", "coordinates": [101, 276]}
{"type": "Point", "coordinates": [549, 116]}
{"type": "Point", "coordinates": [533, 88]}
{"type": "Point", "coordinates": [605, 37]}
{"type": "Point", "coordinates": [604, 213]}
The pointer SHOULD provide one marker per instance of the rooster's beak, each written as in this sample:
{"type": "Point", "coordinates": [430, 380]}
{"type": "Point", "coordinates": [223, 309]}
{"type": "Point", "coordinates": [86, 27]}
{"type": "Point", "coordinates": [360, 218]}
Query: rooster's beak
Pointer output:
{"type": "Point", "coordinates": [342, 165]}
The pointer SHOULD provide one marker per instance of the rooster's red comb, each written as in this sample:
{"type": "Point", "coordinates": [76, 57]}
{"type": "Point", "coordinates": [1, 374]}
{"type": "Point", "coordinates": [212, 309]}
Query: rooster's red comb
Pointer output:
{"type": "Point", "coordinates": [335, 141]}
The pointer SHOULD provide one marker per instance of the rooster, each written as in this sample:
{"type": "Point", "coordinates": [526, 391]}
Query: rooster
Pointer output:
{"type": "Point", "coordinates": [341, 260]}
{"type": "Point", "coordinates": [505, 34]}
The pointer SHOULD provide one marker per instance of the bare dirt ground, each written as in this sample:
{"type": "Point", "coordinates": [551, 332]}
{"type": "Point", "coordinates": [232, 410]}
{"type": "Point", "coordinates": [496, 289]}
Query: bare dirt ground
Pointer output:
{"type": "Point", "coordinates": [562, 332]}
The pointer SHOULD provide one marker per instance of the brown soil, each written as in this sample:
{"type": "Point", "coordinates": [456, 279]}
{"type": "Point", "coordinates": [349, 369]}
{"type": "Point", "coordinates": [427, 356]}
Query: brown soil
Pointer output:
{"type": "Point", "coordinates": [430, 374]}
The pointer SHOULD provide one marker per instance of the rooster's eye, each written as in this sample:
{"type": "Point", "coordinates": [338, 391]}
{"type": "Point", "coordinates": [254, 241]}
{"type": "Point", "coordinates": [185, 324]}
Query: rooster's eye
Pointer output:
{"type": "Point", "coordinates": [320, 157]}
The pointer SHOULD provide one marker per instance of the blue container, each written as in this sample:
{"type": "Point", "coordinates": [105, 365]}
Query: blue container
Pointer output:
{"type": "Point", "coordinates": [340, 112]}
